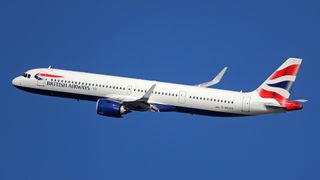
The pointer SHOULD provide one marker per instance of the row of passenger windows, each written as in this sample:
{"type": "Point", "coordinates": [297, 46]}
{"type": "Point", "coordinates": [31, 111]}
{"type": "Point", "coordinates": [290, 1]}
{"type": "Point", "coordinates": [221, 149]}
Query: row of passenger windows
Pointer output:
{"type": "Point", "coordinates": [140, 90]}
{"type": "Point", "coordinates": [80, 83]}
{"type": "Point", "coordinates": [211, 99]}
{"type": "Point", "coordinates": [112, 87]}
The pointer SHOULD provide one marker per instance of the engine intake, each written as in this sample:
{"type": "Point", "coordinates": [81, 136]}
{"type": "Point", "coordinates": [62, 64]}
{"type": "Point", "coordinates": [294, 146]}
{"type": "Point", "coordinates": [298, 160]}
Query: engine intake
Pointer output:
{"type": "Point", "coordinates": [110, 108]}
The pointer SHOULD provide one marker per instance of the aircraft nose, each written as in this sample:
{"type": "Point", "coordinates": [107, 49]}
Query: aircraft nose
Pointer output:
{"type": "Point", "coordinates": [16, 81]}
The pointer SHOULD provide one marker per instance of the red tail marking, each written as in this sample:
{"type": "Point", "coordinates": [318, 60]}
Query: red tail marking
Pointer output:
{"type": "Point", "coordinates": [290, 70]}
{"type": "Point", "coordinates": [289, 105]}
{"type": "Point", "coordinates": [269, 94]}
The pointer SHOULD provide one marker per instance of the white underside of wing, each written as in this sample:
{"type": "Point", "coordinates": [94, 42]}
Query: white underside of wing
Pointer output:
{"type": "Point", "coordinates": [121, 98]}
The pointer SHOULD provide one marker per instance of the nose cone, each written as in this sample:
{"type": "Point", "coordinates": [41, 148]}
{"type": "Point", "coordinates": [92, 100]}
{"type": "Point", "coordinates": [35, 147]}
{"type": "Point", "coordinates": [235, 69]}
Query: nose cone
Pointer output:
{"type": "Point", "coordinates": [16, 81]}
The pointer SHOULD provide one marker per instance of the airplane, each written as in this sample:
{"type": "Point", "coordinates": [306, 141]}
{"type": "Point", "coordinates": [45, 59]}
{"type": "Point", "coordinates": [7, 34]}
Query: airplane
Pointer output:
{"type": "Point", "coordinates": [116, 96]}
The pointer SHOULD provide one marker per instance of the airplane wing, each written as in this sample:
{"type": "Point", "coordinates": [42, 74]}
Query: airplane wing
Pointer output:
{"type": "Point", "coordinates": [137, 104]}
{"type": "Point", "coordinates": [120, 98]}
{"type": "Point", "coordinates": [214, 81]}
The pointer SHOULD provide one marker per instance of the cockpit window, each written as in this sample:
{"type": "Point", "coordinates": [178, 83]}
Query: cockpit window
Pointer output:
{"type": "Point", "coordinates": [26, 75]}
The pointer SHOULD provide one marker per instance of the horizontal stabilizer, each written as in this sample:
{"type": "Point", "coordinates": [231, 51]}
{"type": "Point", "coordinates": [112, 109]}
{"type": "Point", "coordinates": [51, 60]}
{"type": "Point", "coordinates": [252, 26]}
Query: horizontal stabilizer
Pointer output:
{"type": "Point", "coordinates": [274, 106]}
{"type": "Point", "coordinates": [214, 81]}
{"type": "Point", "coordinates": [301, 100]}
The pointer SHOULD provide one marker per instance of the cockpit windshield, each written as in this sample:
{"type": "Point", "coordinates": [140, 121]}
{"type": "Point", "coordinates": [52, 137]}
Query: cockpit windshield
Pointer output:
{"type": "Point", "coordinates": [26, 75]}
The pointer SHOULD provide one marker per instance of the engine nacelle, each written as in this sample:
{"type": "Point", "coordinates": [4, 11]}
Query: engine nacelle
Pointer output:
{"type": "Point", "coordinates": [110, 108]}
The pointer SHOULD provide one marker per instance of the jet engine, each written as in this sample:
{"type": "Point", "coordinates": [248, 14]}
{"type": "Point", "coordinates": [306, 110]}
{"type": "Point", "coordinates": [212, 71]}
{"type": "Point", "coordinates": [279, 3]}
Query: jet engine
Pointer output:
{"type": "Point", "coordinates": [109, 108]}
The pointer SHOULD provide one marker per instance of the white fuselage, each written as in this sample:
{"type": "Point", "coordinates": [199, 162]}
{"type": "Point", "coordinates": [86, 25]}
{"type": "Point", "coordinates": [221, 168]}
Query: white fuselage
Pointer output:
{"type": "Point", "coordinates": [186, 98]}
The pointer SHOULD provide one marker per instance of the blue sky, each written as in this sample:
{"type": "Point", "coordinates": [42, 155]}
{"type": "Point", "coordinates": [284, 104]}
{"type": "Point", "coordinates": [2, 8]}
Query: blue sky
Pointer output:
{"type": "Point", "coordinates": [176, 41]}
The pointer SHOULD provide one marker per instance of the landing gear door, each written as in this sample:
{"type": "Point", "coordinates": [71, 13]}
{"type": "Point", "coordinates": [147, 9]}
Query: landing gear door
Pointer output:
{"type": "Point", "coordinates": [41, 79]}
{"type": "Point", "coordinates": [246, 104]}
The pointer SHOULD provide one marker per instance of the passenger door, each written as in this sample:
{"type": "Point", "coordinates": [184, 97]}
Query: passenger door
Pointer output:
{"type": "Point", "coordinates": [246, 104]}
{"type": "Point", "coordinates": [182, 97]}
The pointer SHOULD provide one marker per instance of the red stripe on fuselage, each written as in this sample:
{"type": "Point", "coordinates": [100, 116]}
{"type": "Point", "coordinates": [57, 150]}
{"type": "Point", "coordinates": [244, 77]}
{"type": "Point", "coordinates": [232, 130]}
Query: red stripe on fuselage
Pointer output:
{"type": "Point", "coordinates": [290, 70]}
{"type": "Point", "coordinates": [49, 75]}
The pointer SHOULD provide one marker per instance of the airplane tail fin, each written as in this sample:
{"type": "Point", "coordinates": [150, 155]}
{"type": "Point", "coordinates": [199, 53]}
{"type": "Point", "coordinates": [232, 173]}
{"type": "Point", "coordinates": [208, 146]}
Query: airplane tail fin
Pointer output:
{"type": "Point", "coordinates": [280, 83]}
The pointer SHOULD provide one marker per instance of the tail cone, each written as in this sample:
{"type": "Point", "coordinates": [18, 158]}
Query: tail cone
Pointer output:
{"type": "Point", "coordinates": [293, 106]}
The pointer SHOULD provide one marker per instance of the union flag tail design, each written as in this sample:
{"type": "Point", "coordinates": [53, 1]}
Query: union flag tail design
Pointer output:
{"type": "Point", "coordinates": [279, 84]}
